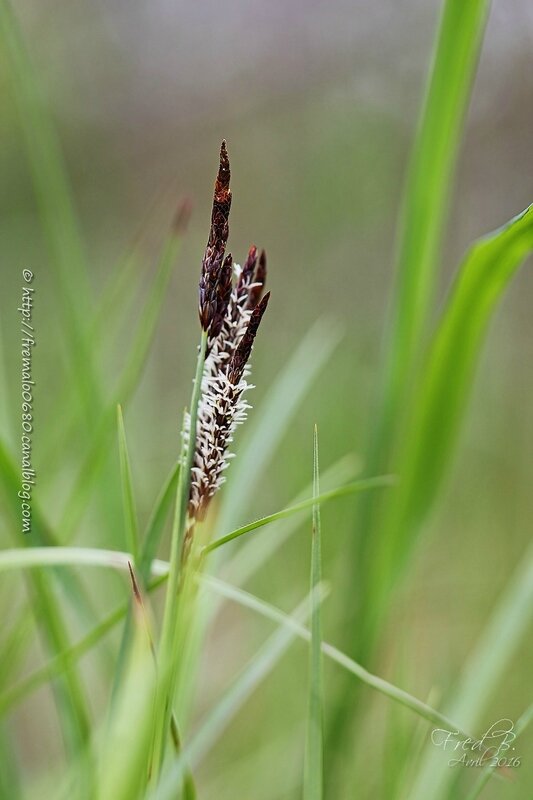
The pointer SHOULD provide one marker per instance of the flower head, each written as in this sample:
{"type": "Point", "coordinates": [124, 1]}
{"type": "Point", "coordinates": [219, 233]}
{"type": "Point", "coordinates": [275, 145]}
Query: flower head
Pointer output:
{"type": "Point", "coordinates": [231, 308]}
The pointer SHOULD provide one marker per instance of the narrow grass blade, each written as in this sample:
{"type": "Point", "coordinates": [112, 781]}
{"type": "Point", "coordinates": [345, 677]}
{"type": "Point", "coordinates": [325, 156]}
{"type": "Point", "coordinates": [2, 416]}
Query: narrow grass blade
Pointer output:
{"type": "Point", "coordinates": [135, 361]}
{"type": "Point", "coordinates": [131, 526]}
{"type": "Point", "coordinates": [488, 772]}
{"type": "Point", "coordinates": [112, 307]}
{"type": "Point", "coordinates": [33, 557]}
{"type": "Point", "coordinates": [255, 552]}
{"type": "Point", "coordinates": [509, 623]}
{"type": "Point", "coordinates": [385, 688]}
{"type": "Point", "coordinates": [351, 488]}
{"type": "Point", "coordinates": [56, 209]}
{"type": "Point", "coordinates": [232, 701]}
{"type": "Point", "coordinates": [156, 522]}
{"type": "Point", "coordinates": [10, 784]}
{"type": "Point", "coordinates": [438, 407]}
{"type": "Point", "coordinates": [314, 755]}
{"type": "Point", "coordinates": [268, 424]}
{"type": "Point", "coordinates": [56, 666]}
{"type": "Point", "coordinates": [40, 534]}
{"type": "Point", "coordinates": [70, 699]}
{"type": "Point", "coordinates": [124, 763]}
{"type": "Point", "coordinates": [70, 696]}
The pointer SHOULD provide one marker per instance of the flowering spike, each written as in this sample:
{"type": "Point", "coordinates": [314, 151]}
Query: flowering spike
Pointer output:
{"type": "Point", "coordinates": [230, 312]}
{"type": "Point", "coordinates": [216, 244]}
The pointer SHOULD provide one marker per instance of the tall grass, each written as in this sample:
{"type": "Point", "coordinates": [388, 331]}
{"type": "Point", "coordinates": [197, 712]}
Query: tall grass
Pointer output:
{"type": "Point", "coordinates": [142, 744]}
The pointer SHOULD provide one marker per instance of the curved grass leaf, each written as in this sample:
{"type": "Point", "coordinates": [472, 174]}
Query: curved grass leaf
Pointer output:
{"type": "Point", "coordinates": [351, 488]}
{"type": "Point", "coordinates": [438, 406]}
{"type": "Point", "coordinates": [269, 611]}
{"type": "Point", "coordinates": [254, 553]}
{"type": "Point", "coordinates": [425, 207]}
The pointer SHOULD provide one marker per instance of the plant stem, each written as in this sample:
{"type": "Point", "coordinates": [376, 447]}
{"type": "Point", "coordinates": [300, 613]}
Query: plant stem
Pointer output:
{"type": "Point", "coordinates": [169, 635]}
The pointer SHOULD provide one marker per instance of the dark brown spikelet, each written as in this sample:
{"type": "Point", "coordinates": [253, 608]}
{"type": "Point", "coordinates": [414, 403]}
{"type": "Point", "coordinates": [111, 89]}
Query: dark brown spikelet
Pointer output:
{"type": "Point", "coordinates": [213, 259]}
{"type": "Point", "coordinates": [243, 351]}
{"type": "Point", "coordinates": [259, 279]}
{"type": "Point", "coordinates": [248, 270]}
{"type": "Point", "coordinates": [222, 297]}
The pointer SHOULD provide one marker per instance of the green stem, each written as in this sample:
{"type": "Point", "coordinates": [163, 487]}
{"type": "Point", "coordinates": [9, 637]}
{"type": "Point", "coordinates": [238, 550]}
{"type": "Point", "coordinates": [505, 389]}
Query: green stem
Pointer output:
{"type": "Point", "coordinates": [169, 635]}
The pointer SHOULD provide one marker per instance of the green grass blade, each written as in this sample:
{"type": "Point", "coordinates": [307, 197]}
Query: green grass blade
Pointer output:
{"type": "Point", "coordinates": [486, 667]}
{"type": "Point", "coordinates": [267, 426]}
{"type": "Point", "coordinates": [130, 375]}
{"type": "Point", "coordinates": [124, 763]}
{"type": "Point", "coordinates": [10, 784]}
{"type": "Point", "coordinates": [37, 557]}
{"type": "Point", "coordinates": [254, 553]}
{"type": "Point", "coordinates": [70, 697]}
{"type": "Point", "coordinates": [56, 666]}
{"type": "Point", "coordinates": [156, 522]}
{"type": "Point", "coordinates": [425, 206]}
{"type": "Point", "coordinates": [487, 773]}
{"type": "Point", "coordinates": [314, 755]}
{"type": "Point", "coordinates": [232, 701]}
{"type": "Point", "coordinates": [267, 610]}
{"type": "Point", "coordinates": [56, 208]}
{"type": "Point", "coordinates": [438, 407]}
{"type": "Point", "coordinates": [421, 225]}
{"type": "Point", "coordinates": [131, 526]}
{"type": "Point", "coordinates": [351, 488]}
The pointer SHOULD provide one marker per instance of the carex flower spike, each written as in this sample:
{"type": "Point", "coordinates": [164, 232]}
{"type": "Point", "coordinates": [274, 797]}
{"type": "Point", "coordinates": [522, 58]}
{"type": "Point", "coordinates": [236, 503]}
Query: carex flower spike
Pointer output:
{"type": "Point", "coordinates": [231, 306]}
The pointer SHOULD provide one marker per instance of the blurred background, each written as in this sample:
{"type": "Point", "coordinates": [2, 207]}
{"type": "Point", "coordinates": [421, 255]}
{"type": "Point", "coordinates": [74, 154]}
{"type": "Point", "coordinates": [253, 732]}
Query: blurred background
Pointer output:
{"type": "Point", "coordinates": [318, 103]}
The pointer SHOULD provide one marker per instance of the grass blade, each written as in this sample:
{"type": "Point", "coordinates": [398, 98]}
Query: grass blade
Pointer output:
{"type": "Point", "coordinates": [267, 610]}
{"type": "Point", "coordinates": [438, 407]}
{"type": "Point", "coordinates": [351, 488]}
{"type": "Point", "coordinates": [55, 667]}
{"type": "Point", "coordinates": [130, 375]}
{"type": "Point", "coordinates": [131, 526]}
{"type": "Point", "coordinates": [156, 522]}
{"type": "Point", "coordinates": [55, 204]}
{"type": "Point", "coordinates": [486, 667]}
{"type": "Point", "coordinates": [254, 553]}
{"type": "Point", "coordinates": [313, 773]}
{"type": "Point", "coordinates": [268, 425]}
{"type": "Point", "coordinates": [487, 773]}
{"type": "Point", "coordinates": [425, 206]}
{"type": "Point", "coordinates": [124, 771]}
{"type": "Point", "coordinates": [231, 702]}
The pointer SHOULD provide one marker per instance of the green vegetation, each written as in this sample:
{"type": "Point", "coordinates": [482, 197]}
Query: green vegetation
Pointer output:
{"type": "Point", "coordinates": [130, 644]}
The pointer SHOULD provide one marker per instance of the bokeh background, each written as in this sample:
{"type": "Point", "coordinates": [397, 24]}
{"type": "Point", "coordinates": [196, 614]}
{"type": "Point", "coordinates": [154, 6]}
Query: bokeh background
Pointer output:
{"type": "Point", "coordinates": [318, 103]}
